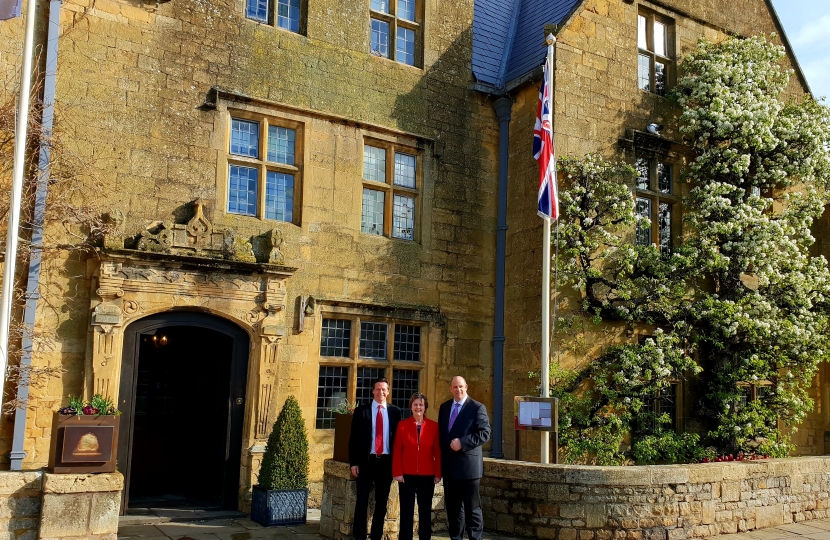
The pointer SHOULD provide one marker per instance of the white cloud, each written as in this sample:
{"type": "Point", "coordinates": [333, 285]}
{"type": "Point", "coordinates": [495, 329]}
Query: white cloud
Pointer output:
{"type": "Point", "coordinates": [813, 33]}
{"type": "Point", "coordinates": [817, 71]}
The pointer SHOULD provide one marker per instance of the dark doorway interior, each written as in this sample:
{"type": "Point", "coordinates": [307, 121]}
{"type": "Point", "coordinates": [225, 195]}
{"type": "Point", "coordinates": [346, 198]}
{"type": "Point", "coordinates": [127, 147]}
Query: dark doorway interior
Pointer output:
{"type": "Point", "coordinates": [181, 426]}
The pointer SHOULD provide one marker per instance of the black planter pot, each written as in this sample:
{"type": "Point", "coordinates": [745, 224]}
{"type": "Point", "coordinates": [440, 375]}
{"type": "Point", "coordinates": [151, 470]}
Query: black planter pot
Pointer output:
{"type": "Point", "coordinates": [279, 506]}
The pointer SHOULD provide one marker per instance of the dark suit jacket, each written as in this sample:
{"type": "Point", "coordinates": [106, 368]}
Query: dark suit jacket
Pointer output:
{"type": "Point", "coordinates": [360, 440]}
{"type": "Point", "coordinates": [472, 428]}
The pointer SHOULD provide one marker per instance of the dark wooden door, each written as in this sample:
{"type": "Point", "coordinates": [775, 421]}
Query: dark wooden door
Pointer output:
{"type": "Point", "coordinates": [182, 396]}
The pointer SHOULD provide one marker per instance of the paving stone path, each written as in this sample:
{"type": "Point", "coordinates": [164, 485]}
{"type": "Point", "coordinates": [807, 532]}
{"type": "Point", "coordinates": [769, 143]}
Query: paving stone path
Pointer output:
{"type": "Point", "coordinates": [165, 527]}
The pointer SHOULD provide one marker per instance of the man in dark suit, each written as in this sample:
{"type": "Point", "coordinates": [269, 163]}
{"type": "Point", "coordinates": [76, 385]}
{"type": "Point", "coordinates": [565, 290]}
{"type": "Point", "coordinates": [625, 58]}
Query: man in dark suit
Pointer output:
{"type": "Point", "coordinates": [463, 427]}
{"type": "Point", "coordinates": [370, 457]}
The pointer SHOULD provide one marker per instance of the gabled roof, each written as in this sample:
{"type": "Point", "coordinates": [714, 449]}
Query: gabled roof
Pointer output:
{"type": "Point", "coordinates": [508, 34]}
{"type": "Point", "coordinates": [508, 38]}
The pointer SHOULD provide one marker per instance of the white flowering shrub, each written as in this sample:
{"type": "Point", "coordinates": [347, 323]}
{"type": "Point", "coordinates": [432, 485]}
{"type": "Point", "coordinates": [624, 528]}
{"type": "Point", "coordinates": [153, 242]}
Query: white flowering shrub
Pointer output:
{"type": "Point", "coordinates": [743, 300]}
{"type": "Point", "coordinates": [760, 180]}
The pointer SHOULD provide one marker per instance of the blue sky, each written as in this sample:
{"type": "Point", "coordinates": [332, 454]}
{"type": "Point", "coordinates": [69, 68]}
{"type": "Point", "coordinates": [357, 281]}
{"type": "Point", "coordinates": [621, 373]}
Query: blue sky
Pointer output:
{"type": "Point", "coordinates": [807, 24]}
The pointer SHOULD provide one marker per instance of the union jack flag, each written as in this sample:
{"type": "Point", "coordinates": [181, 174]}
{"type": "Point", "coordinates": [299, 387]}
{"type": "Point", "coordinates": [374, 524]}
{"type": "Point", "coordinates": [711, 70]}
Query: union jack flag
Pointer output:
{"type": "Point", "coordinates": [543, 149]}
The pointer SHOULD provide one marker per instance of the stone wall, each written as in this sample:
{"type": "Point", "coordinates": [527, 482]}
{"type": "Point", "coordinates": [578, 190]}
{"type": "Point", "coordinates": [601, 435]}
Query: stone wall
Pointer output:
{"type": "Point", "coordinates": [81, 506]}
{"type": "Point", "coordinates": [36, 505]}
{"type": "Point", "coordinates": [663, 502]}
{"type": "Point", "coordinates": [339, 492]}
{"type": "Point", "coordinates": [20, 504]}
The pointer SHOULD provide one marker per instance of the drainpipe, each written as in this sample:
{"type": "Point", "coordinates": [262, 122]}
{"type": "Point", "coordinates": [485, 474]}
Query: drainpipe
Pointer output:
{"type": "Point", "coordinates": [502, 106]}
{"type": "Point", "coordinates": [33, 279]}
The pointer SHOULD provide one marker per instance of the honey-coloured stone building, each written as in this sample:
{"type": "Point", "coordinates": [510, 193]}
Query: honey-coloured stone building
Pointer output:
{"type": "Point", "coordinates": [302, 195]}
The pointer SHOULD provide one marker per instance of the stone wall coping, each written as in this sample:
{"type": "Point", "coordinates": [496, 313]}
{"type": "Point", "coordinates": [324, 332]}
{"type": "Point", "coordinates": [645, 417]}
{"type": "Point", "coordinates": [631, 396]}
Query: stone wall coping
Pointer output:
{"type": "Point", "coordinates": [642, 475]}
{"type": "Point", "coordinates": [17, 482]}
{"type": "Point", "coordinates": [337, 469]}
{"type": "Point", "coordinates": [636, 475]}
{"type": "Point", "coordinates": [83, 483]}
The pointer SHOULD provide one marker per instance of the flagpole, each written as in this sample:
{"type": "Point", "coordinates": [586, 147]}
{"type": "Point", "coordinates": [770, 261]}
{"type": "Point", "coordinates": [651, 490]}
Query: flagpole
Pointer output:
{"type": "Point", "coordinates": [545, 450]}
{"type": "Point", "coordinates": [20, 137]}
{"type": "Point", "coordinates": [545, 447]}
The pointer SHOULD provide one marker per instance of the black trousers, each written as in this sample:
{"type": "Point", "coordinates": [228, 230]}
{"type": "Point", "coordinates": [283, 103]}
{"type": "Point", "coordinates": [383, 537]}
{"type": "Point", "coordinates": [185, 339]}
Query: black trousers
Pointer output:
{"type": "Point", "coordinates": [463, 505]}
{"type": "Point", "coordinates": [422, 487]}
{"type": "Point", "coordinates": [377, 472]}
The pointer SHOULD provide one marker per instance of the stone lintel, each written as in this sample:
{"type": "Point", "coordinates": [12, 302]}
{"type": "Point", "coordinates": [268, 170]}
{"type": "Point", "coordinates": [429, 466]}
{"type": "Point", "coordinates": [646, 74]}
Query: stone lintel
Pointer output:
{"type": "Point", "coordinates": [198, 263]}
{"type": "Point", "coordinates": [83, 483]}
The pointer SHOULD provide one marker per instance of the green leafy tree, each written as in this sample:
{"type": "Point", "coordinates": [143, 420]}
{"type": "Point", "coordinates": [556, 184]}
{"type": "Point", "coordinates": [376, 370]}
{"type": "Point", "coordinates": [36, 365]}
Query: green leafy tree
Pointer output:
{"type": "Point", "coordinates": [285, 462]}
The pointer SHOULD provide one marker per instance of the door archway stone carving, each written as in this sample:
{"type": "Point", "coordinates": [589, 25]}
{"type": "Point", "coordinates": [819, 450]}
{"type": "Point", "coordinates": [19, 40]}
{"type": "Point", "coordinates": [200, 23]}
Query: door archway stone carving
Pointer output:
{"type": "Point", "coordinates": [129, 285]}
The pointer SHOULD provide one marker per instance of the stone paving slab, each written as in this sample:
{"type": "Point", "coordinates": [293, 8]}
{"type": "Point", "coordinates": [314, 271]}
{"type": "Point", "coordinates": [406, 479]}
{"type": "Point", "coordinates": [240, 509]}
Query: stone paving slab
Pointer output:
{"type": "Point", "coordinates": [812, 530]}
{"type": "Point", "coordinates": [245, 529]}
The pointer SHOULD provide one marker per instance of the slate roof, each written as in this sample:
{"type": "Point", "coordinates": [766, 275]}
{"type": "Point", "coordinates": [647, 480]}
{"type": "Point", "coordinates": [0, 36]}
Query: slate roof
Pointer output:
{"type": "Point", "coordinates": [508, 36]}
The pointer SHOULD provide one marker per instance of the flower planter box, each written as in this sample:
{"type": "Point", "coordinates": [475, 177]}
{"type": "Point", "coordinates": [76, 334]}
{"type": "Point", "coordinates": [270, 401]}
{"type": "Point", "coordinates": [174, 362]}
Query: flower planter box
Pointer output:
{"type": "Point", "coordinates": [279, 506]}
{"type": "Point", "coordinates": [342, 432]}
{"type": "Point", "coordinates": [83, 443]}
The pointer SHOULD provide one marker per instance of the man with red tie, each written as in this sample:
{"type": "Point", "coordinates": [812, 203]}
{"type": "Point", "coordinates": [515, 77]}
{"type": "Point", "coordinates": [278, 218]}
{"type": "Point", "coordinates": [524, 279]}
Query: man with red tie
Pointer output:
{"type": "Point", "coordinates": [463, 426]}
{"type": "Point", "coordinates": [370, 456]}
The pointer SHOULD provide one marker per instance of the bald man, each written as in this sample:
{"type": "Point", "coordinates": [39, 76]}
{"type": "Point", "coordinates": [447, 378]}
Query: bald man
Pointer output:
{"type": "Point", "coordinates": [463, 427]}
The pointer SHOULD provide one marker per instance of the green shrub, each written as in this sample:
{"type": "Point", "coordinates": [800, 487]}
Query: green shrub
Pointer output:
{"type": "Point", "coordinates": [285, 462]}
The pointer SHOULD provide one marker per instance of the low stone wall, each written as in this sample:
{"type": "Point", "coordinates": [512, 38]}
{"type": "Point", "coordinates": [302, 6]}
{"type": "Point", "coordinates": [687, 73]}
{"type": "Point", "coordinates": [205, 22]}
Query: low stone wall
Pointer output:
{"type": "Point", "coordinates": [59, 506]}
{"type": "Point", "coordinates": [20, 496]}
{"type": "Point", "coordinates": [81, 506]}
{"type": "Point", "coordinates": [339, 493]}
{"type": "Point", "coordinates": [662, 502]}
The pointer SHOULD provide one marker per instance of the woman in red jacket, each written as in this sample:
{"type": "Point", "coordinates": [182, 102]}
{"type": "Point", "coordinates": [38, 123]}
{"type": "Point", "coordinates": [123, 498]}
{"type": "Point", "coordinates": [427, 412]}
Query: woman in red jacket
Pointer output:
{"type": "Point", "coordinates": [416, 465]}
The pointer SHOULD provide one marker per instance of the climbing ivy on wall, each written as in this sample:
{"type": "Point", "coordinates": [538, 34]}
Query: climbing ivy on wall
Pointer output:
{"type": "Point", "coordinates": [742, 301]}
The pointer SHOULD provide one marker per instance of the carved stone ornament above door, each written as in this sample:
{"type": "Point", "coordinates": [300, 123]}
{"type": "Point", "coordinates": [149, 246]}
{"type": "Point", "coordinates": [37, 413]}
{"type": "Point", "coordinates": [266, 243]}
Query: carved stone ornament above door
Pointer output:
{"type": "Point", "coordinates": [190, 267]}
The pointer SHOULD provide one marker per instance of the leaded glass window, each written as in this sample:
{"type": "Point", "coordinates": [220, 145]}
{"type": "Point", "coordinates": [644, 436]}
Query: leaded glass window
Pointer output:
{"type": "Point", "coordinates": [644, 227]}
{"type": "Point", "coordinates": [373, 338]}
{"type": "Point", "coordinates": [257, 10]}
{"type": "Point", "coordinates": [406, 9]}
{"type": "Point", "coordinates": [264, 169]}
{"type": "Point", "coordinates": [664, 177]}
{"type": "Point", "coordinates": [396, 20]}
{"type": "Point", "coordinates": [374, 163]}
{"type": "Point", "coordinates": [405, 53]}
{"type": "Point", "coordinates": [373, 210]}
{"type": "Point", "coordinates": [332, 389]}
{"type": "Point", "coordinates": [404, 170]}
{"type": "Point", "coordinates": [407, 343]}
{"type": "Point", "coordinates": [244, 138]}
{"type": "Point", "coordinates": [242, 190]}
{"type": "Point", "coordinates": [380, 38]}
{"type": "Point", "coordinates": [403, 217]}
{"type": "Point", "coordinates": [288, 14]}
{"type": "Point", "coordinates": [405, 382]}
{"type": "Point", "coordinates": [644, 72]}
{"type": "Point", "coordinates": [335, 338]}
{"type": "Point", "coordinates": [366, 377]}
{"type": "Point", "coordinates": [279, 196]}
{"type": "Point", "coordinates": [655, 58]}
{"type": "Point", "coordinates": [281, 142]}
{"type": "Point", "coordinates": [371, 356]}
{"type": "Point", "coordinates": [643, 173]}
{"type": "Point", "coordinates": [664, 226]}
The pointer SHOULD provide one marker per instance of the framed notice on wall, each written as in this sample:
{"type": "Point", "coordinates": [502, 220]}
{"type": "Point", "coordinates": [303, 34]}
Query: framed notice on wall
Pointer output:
{"type": "Point", "coordinates": [536, 413]}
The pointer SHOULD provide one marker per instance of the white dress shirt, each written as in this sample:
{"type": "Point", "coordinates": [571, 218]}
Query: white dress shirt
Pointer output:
{"type": "Point", "coordinates": [385, 414]}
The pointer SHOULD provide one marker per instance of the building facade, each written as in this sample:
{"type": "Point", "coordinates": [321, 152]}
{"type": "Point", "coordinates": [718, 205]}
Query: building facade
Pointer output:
{"type": "Point", "coordinates": [301, 196]}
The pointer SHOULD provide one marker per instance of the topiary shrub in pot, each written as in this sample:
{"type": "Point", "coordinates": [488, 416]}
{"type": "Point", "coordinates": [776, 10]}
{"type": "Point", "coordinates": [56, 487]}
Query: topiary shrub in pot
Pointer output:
{"type": "Point", "coordinates": [281, 497]}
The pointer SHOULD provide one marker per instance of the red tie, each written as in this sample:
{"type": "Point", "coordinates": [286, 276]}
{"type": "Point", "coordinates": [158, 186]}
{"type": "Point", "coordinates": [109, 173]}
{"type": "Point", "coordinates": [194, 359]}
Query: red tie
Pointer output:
{"type": "Point", "coordinates": [379, 432]}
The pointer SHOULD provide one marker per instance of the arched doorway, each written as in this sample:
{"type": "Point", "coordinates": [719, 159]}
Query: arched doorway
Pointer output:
{"type": "Point", "coordinates": [182, 396]}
